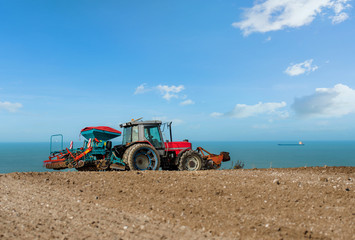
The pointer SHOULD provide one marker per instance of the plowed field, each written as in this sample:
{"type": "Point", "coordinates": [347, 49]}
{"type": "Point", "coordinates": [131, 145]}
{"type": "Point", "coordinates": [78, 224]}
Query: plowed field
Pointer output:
{"type": "Point", "coordinates": [314, 203]}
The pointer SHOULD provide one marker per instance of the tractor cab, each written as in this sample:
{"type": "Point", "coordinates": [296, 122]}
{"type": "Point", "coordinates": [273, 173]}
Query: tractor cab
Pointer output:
{"type": "Point", "coordinates": [151, 131]}
{"type": "Point", "coordinates": [143, 131]}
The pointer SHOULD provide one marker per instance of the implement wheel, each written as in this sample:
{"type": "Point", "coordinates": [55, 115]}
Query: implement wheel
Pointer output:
{"type": "Point", "coordinates": [142, 157]}
{"type": "Point", "coordinates": [190, 161]}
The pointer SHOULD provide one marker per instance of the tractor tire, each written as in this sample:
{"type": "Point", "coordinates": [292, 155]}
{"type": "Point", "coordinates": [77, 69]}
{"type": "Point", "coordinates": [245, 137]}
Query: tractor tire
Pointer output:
{"type": "Point", "coordinates": [190, 161]}
{"type": "Point", "coordinates": [142, 157]}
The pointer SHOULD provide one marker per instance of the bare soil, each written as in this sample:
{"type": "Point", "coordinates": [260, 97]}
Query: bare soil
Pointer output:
{"type": "Point", "coordinates": [316, 203]}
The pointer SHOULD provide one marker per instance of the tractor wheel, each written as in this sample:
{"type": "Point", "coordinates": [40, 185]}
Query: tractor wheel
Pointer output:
{"type": "Point", "coordinates": [142, 157]}
{"type": "Point", "coordinates": [190, 161]}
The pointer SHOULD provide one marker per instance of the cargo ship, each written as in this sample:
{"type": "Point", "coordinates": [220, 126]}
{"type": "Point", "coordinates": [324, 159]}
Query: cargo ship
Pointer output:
{"type": "Point", "coordinates": [300, 143]}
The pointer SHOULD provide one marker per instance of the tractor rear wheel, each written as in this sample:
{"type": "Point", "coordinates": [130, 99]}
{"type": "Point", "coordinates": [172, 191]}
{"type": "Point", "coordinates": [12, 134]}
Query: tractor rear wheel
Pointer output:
{"type": "Point", "coordinates": [142, 157]}
{"type": "Point", "coordinates": [190, 161]}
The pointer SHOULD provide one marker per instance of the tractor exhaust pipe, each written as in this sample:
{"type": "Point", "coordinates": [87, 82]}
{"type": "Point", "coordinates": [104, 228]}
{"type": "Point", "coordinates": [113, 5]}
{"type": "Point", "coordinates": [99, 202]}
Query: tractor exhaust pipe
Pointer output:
{"type": "Point", "coordinates": [171, 134]}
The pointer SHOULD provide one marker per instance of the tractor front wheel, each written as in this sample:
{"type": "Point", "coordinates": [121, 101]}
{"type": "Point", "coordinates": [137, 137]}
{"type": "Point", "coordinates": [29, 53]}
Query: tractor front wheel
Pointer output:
{"type": "Point", "coordinates": [142, 157]}
{"type": "Point", "coordinates": [190, 161]}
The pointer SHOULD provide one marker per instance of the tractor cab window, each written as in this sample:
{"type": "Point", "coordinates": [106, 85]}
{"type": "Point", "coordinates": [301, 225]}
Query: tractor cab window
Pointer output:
{"type": "Point", "coordinates": [134, 133]}
{"type": "Point", "coordinates": [153, 136]}
{"type": "Point", "coordinates": [130, 134]}
{"type": "Point", "coordinates": [127, 135]}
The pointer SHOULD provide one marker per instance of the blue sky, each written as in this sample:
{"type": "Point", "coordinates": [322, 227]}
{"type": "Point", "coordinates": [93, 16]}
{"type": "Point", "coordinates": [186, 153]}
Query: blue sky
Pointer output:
{"type": "Point", "coordinates": [220, 70]}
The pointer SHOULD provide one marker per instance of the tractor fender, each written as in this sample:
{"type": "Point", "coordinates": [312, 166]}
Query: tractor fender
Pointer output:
{"type": "Point", "coordinates": [133, 143]}
{"type": "Point", "coordinates": [177, 159]}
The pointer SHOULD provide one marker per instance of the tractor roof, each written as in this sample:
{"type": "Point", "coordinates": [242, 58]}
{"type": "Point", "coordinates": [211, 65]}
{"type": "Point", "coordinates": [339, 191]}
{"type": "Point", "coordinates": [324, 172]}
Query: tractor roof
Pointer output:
{"type": "Point", "coordinates": [134, 123]}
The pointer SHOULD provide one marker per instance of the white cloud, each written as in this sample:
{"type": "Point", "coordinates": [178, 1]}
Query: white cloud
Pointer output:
{"type": "Point", "coordinates": [244, 111]}
{"type": "Point", "coordinates": [339, 18]}
{"type": "Point", "coordinates": [326, 102]}
{"type": "Point", "coordinates": [11, 107]}
{"type": "Point", "coordinates": [169, 92]}
{"type": "Point", "coordinates": [141, 89]}
{"type": "Point", "coordinates": [216, 114]}
{"type": "Point", "coordinates": [187, 102]}
{"type": "Point", "coordinates": [301, 68]}
{"type": "Point", "coordinates": [339, 6]}
{"type": "Point", "coordinates": [273, 15]}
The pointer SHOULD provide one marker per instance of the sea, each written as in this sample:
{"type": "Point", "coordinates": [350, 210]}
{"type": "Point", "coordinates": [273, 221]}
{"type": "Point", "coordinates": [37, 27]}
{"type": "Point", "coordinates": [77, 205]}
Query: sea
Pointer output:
{"type": "Point", "coordinates": [29, 157]}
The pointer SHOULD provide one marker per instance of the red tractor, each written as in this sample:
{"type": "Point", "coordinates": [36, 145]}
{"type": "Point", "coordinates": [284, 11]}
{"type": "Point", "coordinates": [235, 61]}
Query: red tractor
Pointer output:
{"type": "Point", "coordinates": [142, 148]}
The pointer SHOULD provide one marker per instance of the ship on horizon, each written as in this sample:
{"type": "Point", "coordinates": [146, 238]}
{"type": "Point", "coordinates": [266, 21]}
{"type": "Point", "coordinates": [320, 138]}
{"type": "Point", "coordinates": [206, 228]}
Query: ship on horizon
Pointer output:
{"type": "Point", "coordinates": [300, 143]}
